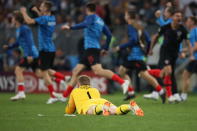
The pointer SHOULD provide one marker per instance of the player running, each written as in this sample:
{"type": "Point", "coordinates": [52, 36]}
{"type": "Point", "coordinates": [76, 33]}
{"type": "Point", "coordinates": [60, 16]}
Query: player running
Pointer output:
{"type": "Point", "coordinates": [163, 20]}
{"type": "Point", "coordinates": [46, 26]}
{"type": "Point", "coordinates": [174, 33]}
{"type": "Point", "coordinates": [93, 27]}
{"type": "Point", "coordinates": [135, 60]}
{"type": "Point", "coordinates": [191, 68]}
{"type": "Point", "coordinates": [24, 39]}
{"type": "Point", "coordinates": [87, 101]}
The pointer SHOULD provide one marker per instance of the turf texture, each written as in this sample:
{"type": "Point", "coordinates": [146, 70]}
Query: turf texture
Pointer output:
{"type": "Point", "coordinates": [33, 114]}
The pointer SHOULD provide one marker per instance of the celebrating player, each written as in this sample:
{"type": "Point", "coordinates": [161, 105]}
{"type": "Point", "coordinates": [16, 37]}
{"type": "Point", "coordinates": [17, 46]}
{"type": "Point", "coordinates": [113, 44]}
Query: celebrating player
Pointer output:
{"type": "Point", "coordinates": [174, 33]}
{"type": "Point", "coordinates": [191, 68]}
{"type": "Point", "coordinates": [137, 53]}
{"type": "Point", "coordinates": [46, 22]}
{"type": "Point", "coordinates": [162, 20]}
{"type": "Point", "coordinates": [87, 100]}
{"type": "Point", "coordinates": [24, 39]}
{"type": "Point", "coordinates": [93, 27]}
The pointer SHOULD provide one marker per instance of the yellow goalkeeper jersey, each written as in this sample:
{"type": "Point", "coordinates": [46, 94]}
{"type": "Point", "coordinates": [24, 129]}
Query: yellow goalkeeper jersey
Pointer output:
{"type": "Point", "coordinates": [79, 97]}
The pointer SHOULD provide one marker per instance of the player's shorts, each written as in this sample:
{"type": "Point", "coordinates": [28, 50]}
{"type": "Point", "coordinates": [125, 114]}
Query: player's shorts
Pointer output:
{"type": "Point", "coordinates": [92, 102]}
{"type": "Point", "coordinates": [90, 57]}
{"type": "Point", "coordinates": [24, 63]}
{"type": "Point", "coordinates": [192, 66]}
{"type": "Point", "coordinates": [167, 58]}
{"type": "Point", "coordinates": [46, 60]}
{"type": "Point", "coordinates": [135, 65]}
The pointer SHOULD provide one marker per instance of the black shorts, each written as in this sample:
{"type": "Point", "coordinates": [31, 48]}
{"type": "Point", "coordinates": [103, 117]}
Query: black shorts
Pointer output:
{"type": "Point", "coordinates": [24, 63]}
{"type": "Point", "coordinates": [90, 57]}
{"type": "Point", "coordinates": [192, 66]}
{"type": "Point", "coordinates": [46, 60]}
{"type": "Point", "coordinates": [167, 58]}
{"type": "Point", "coordinates": [135, 65]}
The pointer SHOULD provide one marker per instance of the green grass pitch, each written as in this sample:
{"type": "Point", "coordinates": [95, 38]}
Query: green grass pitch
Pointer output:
{"type": "Point", "coordinates": [23, 116]}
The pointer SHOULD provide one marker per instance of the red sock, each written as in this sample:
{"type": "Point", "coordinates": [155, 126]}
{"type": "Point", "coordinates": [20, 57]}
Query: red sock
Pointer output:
{"type": "Point", "coordinates": [168, 83]}
{"type": "Point", "coordinates": [21, 87]}
{"type": "Point", "coordinates": [59, 75]}
{"type": "Point", "coordinates": [158, 88]}
{"type": "Point", "coordinates": [168, 91]}
{"type": "Point", "coordinates": [117, 79]}
{"type": "Point", "coordinates": [68, 91]}
{"type": "Point", "coordinates": [155, 72]}
{"type": "Point", "coordinates": [130, 89]}
{"type": "Point", "coordinates": [50, 88]}
{"type": "Point", "coordinates": [57, 80]}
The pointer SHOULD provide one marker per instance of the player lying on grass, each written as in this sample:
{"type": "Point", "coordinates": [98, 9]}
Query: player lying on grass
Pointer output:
{"type": "Point", "coordinates": [87, 101]}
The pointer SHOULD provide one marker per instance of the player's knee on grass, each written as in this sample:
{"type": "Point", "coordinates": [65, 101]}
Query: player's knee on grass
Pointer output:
{"type": "Point", "coordinates": [123, 109]}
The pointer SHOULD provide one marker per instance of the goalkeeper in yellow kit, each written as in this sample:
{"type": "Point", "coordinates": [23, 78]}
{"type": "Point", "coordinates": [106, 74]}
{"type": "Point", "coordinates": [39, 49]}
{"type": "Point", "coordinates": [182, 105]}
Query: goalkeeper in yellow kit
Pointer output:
{"type": "Point", "coordinates": [87, 100]}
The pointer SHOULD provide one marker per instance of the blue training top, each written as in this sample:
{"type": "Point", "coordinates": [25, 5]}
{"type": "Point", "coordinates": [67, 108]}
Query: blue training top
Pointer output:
{"type": "Point", "coordinates": [24, 39]}
{"type": "Point", "coordinates": [136, 52]}
{"type": "Point", "coordinates": [193, 39]}
{"type": "Point", "coordinates": [93, 27]}
{"type": "Point", "coordinates": [45, 32]}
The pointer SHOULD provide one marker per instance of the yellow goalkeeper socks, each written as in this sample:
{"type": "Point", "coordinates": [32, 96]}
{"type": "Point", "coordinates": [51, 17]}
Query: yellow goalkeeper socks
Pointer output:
{"type": "Point", "coordinates": [98, 109]}
{"type": "Point", "coordinates": [123, 109]}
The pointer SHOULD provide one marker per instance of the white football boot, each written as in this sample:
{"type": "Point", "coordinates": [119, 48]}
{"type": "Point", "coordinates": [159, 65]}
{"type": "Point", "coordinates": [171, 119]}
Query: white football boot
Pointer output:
{"type": "Point", "coordinates": [60, 97]}
{"type": "Point", "coordinates": [171, 99]}
{"type": "Point", "coordinates": [154, 95]}
{"type": "Point", "coordinates": [51, 100]}
{"type": "Point", "coordinates": [177, 97]}
{"type": "Point", "coordinates": [125, 86]}
{"type": "Point", "coordinates": [18, 96]}
{"type": "Point", "coordinates": [184, 96]}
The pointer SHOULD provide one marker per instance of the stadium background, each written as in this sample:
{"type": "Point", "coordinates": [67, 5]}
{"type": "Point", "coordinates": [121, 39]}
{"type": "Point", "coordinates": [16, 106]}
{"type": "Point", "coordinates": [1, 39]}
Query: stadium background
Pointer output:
{"type": "Point", "coordinates": [69, 43]}
{"type": "Point", "coordinates": [33, 114]}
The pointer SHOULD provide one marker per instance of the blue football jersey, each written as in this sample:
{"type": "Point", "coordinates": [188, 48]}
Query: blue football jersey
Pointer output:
{"type": "Point", "coordinates": [45, 31]}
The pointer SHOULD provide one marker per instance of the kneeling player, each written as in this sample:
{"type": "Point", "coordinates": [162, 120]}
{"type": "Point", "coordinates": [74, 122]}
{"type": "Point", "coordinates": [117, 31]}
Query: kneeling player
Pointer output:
{"type": "Point", "coordinates": [87, 100]}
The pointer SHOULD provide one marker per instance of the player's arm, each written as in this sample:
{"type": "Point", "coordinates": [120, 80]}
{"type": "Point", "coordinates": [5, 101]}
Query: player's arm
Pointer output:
{"type": "Point", "coordinates": [35, 9]}
{"type": "Point", "coordinates": [148, 40]}
{"type": "Point", "coordinates": [82, 25]}
{"type": "Point", "coordinates": [26, 17]}
{"type": "Point", "coordinates": [195, 47]}
{"type": "Point", "coordinates": [190, 49]}
{"type": "Point", "coordinates": [132, 41]}
{"type": "Point", "coordinates": [108, 34]}
{"type": "Point", "coordinates": [70, 108]}
{"type": "Point", "coordinates": [155, 38]}
{"type": "Point", "coordinates": [11, 46]}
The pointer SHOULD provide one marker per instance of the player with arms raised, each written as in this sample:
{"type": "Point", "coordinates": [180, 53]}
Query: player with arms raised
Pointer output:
{"type": "Point", "coordinates": [46, 26]}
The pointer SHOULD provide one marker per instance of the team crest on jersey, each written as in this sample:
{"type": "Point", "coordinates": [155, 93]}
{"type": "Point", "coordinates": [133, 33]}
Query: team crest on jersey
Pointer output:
{"type": "Point", "coordinates": [179, 33]}
{"type": "Point", "coordinates": [166, 62]}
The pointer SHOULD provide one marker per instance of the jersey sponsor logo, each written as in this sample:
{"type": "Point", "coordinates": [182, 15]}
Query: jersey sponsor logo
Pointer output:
{"type": "Point", "coordinates": [52, 23]}
{"type": "Point", "coordinates": [100, 22]}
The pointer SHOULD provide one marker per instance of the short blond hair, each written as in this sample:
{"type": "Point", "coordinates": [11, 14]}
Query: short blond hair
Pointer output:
{"type": "Point", "coordinates": [84, 80]}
